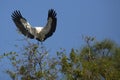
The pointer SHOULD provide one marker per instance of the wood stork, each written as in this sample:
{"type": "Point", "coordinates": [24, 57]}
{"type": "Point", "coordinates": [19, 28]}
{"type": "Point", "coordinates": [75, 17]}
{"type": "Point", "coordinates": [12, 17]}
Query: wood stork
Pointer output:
{"type": "Point", "coordinates": [39, 33]}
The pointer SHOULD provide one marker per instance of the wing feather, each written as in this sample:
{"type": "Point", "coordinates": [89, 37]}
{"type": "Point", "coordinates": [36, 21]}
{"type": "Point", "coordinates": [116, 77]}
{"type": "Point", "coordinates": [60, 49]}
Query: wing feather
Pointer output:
{"type": "Point", "coordinates": [21, 23]}
{"type": "Point", "coordinates": [50, 27]}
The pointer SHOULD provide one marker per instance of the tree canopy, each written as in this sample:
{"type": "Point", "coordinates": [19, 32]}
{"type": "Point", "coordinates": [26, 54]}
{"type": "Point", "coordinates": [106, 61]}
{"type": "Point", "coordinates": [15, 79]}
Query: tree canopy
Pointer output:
{"type": "Point", "coordinates": [96, 60]}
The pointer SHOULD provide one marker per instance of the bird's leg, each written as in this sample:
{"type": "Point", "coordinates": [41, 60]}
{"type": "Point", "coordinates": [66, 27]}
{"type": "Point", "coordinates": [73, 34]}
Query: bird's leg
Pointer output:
{"type": "Point", "coordinates": [41, 45]}
{"type": "Point", "coordinates": [38, 43]}
{"type": "Point", "coordinates": [28, 40]}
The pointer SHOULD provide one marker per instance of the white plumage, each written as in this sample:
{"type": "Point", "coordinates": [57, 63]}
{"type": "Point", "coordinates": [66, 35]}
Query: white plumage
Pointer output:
{"type": "Point", "coordinates": [39, 33]}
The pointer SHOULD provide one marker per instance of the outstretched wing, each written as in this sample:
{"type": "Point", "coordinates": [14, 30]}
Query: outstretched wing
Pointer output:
{"type": "Point", "coordinates": [22, 24]}
{"type": "Point", "coordinates": [50, 27]}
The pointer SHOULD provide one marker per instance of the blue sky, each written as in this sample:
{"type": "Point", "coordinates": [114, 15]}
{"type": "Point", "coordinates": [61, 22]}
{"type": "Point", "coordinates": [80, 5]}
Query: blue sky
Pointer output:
{"type": "Point", "coordinates": [98, 18]}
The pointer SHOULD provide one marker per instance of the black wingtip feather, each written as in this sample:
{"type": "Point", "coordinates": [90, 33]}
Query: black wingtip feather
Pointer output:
{"type": "Point", "coordinates": [16, 15]}
{"type": "Point", "coordinates": [52, 13]}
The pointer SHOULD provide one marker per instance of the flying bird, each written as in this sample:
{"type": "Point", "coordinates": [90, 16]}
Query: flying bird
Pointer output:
{"type": "Point", "coordinates": [38, 33]}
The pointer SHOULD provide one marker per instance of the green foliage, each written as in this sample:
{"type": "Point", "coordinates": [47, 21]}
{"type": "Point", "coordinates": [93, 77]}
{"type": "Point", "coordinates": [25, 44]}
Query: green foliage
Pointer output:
{"type": "Point", "coordinates": [32, 63]}
{"type": "Point", "coordinates": [95, 61]}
